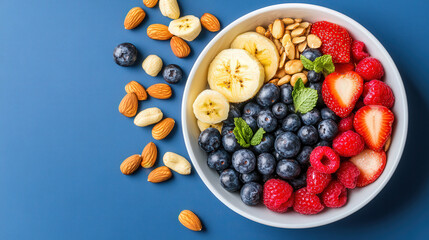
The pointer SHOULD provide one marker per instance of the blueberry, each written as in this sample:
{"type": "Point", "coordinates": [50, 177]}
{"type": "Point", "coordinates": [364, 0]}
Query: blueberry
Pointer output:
{"type": "Point", "coordinates": [268, 95]}
{"type": "Point", "coordinates": [267, 121]}
{"type": "Point", "coordinates": [172, 73]}
{"type": "Point", "coordinates": [327, 113]}
{"type": "Point", "coordinates": [278, 132]}
{"type": "Point", "coordinates": [251, 109]}
{"type": "Point", "coordinates": [299, 182]}
{"type": "Point", "coordinates": [311, 118]}
{"type": "Point", "coordinates": [226, 130]}
{"type": "Point", "coordinates": [308, 135]}
{"type": "Point", "coordinates": [268, 177]}
{"type": "Point", "coordinates": [266, 163]}
{"type": "Point", "coordinates": [229, 179]}
{"type": "Point", "coordinates": [304, 156]}
{"type": "Point", "coordinates": [239, 105]}
{"type": "Point", "coordinates": [253, 176]}
{"type": "Point", "coordinates": [125, 54]}
{"type": "Point", "coordinates": [287, 144]}
{"type": "Point", "coordinates": [279, 110]}
{"type": "Point", "coordinates": [234, 112]}
{"type": "Point", "coordinates": [219, 160]}
{"type": "Point", "coordinates": [278, 156]}
{"type": "Point", "coordinates": [286, 93]}
{"type": "Point", "coordinates": [244, 161]}
{"type": "Point", "coordinates": [323, 143]}
{"type": "Point", "coordinates": [313, 76]}
{"type": "Point", "coordinates": [311, 53]}
{"type": "Point", "coordinates": [251, 122]}
{"type": "Point", "coordinates": [318, 88]}
{"type": "Point", "coordinates": [291, 108]}
{"type": "Point", "coordinates": [288, 169]}
{"type": "Point", "coordinates": [328, 129]}
{"type": "Point", "coordinates": [251, 193]}
{"type": "Point", "coordinates": [229, 143]}
{"type": "Point", "coordinates": [210, 140]}
{"type": "Point", "coordinates": [291, 123]}
{"type": "Point", "coordinates": [266, 144]}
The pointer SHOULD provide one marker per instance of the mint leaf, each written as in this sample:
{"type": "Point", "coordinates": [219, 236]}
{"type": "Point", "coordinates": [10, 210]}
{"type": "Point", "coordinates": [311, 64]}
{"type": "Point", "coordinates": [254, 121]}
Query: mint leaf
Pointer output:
{"type": "Point", "coordinates": [243, 133]}
{"type": "Point", "coordinates": [304, 99]}
{"type": "Point", "coordinates": [308, 64]}
{"type": "Point", "coordinates": [257, 138]}
{"type": "Point", "coordinates": [321, 64]}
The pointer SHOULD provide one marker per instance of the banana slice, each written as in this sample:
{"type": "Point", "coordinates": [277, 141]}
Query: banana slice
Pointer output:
{"type": "Point", "coordinates": [211, 107]}
{"type": "Point", "coordinates": [262, 48]}
{"type": "Point", "coordinates": [236, 74]}
{"type": "Point", "coordinates": [203, 126]}
{"type": "Point", "coordinates": [187, 27]}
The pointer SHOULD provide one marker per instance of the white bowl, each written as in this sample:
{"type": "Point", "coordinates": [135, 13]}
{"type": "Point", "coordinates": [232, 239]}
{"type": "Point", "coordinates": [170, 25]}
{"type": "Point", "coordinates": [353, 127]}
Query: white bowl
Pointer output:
{"type": "Point", "coordinates": [197, 81]}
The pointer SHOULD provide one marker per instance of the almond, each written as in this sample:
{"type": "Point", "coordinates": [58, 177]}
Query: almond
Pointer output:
{"type": "Point", "coordinates": [169, 8]}
{"type": "Point", "coordinates": [159, 174]}
{"type": "Point", "coordinates": [131, 164]}
{"type": "Point", "coordinates": [134, 17]}
{"type": "Point", "coordinates": [158, 32]}
{"type": "Point", "coordinates": [177, 163]}
{"type": "Point", "coordinates": [152, 65]}
{"type": "Point", "coordinates": [179, 47]}
{"type": "Point", "coordinates": [129, 104]}
{"type": "Point", "coordinates": [163, 128]}
{"type": "Point", "coordinates": [149, 154]}
{"type": "Point", "coordinates": [148, 117]}
{"type": "Point", "coordinates": [160, 91]}
{"type": "Point", "coordinates": [190, 220]}
{"type": "Point", "coordinates": [278, 29]}
{"type": "Point", "coordinates": [387, 144]}
{"type": "Point", "coordinates": [210, 22]}
{"type": "Point", "coordinates": [137, 88]}
{"type": "Point", "coordinates": [150, 3]}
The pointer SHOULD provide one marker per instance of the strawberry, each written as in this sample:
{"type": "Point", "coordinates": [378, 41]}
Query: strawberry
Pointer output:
{"type": "Point", "coordinates": [336, 41]}
{"type": "Point", "coordinates": [376, 92]}
{"type": "Point", "coordinates": [344, 67]}
{"type": "Point", "coordinates": [370, 164]}
{"type": "Point", "coordinates": [374, 124]}
{"type": "Point", "coordinates": [340, 92]}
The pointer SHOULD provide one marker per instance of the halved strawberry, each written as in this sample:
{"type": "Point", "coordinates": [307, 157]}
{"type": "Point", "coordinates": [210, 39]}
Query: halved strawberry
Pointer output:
{"type": "Point", "coordinates": [374, 124]}
{"type": "Point", "coordinates": [344, 67]}
{"type": "Point", "coordinates": [370, 164]}
{"type": "Point", "coordinates": [340, 92]}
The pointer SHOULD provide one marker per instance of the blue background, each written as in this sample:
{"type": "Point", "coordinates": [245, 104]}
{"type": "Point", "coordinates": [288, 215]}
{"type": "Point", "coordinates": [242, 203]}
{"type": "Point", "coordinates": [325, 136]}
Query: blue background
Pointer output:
{"type": "Point", "coordinates": [62, 139]}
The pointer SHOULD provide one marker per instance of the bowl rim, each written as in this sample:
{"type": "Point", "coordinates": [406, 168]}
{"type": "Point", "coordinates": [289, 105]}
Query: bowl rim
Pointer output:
{"type": "Point", "coordinates": [402, 99]}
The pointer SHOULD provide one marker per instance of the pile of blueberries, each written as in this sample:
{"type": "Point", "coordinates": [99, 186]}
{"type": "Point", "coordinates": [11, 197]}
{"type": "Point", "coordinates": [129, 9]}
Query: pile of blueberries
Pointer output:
{"type": "Point", "coordinates": [285, 149]}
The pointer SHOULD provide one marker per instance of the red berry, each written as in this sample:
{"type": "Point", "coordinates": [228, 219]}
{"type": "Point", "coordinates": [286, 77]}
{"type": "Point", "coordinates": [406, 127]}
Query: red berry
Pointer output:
{"type": "Point", "coordinates": [307, 203]}
{"type": "Point", "coordinates": [348, 144]}
{"type": "Point", "coordinates": [370, 68]}
{"type": "Point", "coordinates": [346, 123]}
{"type": "Point", "coordinates": [344, 67]}
{"type": "Point", "coordinates": [370, 164]}
{"type": "Point", "coordinates": [277, 194]}
{"type": "Point", "coordinates": [336, 41]}
{"type": "Point", "coordinates": [335, 195]}
{"type": "Point", "coordinates": [376, 92]}
{"type": "Point", "coordinates": [348, 174]}
{"type": "Point", "coordinates": [317, 181]}
{"type": "Point", "coordinates": [359, 105]}
{"type": "Point", "coordinates": [324, 159]}
{"type": "Point", "coordinates": [358, 51]}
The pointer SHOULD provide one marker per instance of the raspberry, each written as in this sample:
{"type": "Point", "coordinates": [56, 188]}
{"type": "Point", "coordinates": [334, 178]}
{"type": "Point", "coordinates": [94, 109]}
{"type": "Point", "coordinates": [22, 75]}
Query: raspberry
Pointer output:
{"type": "Point", "coordinates": [348, 144]}
{"type": "Point", "coordinates": [348, 174]}
{"type": "Point", "coordinates": [307, 203]}
{"type": "Point", "coordinates": [370, 68]}
{"type": "Point", "coordinates": [376, 92]}
{"type": "Point", "coordinates": [346, 123]}
{"type": "Point", "coordinates": [335, 195]}
{"type": "Point", "coordinates": [324, 160]}
{"type": "Point", "coordinates": [317, 181]}
{"type": "Point", "coordinates": [358, 51]}
{"type": "Point", "coordinates": [277, 194]}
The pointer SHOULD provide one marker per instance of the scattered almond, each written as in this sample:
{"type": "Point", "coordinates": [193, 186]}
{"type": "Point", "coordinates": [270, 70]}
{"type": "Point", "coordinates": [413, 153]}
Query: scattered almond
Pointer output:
{"type": "Point", "coordinates": [387, 144]}
{"type": "Point", "coordinates": [298, 20]}
{"type": "Point", "coordinates": [274, 81]}
{"type": "Point", "coordinates": [159, 32]}
{"type": "Point", "coordinates": [137, 88]}
{"type": "Point", "coordinates": [297, 76]}
{"type": "Point", "coordinates": [131, 164]}
{"type": "Point", "coordinates": [190, 220]}
{"type": "Point", "coordinates": [302, 46]}
{"type": "Point", "coordinates": [169, 8]}
{"type": "Point", "coordinates": [150, 3]}
{"type": "Point", "coordinates": [210, 22]}
{"type": "Point", "coordinates": [160, 91]}
{"type": "Point", "coordinates": [293, 66]}
{"type": "Point", "coordinates": [134, 17]}
{"type": "Point", "coordinates": [129, 104]}
{"type": "Point", "coordinates": [297, 40]}
{"type": "Point", "coordinates": [278, 29]}
{"type": "Point", "coordinates": [284, 80]}
{"type": "Point", "coordinates": [159, 174]}
{"type": "Point", "coordinates": [149, 154]}
{"type": "Point", "coordinates": [148, 117]}
{"type": "Point", "coordinates": [177, 163]}
{"type": "Point", "coordinates": [152, 65]}
{"type": "Point", "coordinates": [288, 21]}
{"type": "Point", "coordinates": [280, 73]}
{"type": "Point", "coordinates": [313, 41]}
{"type": "Point", "coordinates": [179, 47]}
{"type": "Point", "coordinates": [298, 32]}
{"type": "Point", "coordinates": [292, 26]}
{"type": "Point", "coordinates": [163, 128]}
{"type": "Point", "coordinates": [260, 30]}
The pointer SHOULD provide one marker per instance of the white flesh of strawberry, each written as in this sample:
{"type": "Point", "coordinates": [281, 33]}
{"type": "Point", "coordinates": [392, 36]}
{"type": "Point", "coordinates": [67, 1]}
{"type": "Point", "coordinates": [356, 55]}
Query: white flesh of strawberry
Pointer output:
{"type": "Point", "coordinates": [345, 87]}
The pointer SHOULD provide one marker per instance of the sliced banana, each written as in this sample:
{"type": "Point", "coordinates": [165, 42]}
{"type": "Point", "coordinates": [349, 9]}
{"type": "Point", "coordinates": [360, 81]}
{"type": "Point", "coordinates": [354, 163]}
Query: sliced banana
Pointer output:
{"type": "Point", "coordinates": [203, 126]}
{"type": "Point", "coordinates": [187, 27]}
{"type": "Point", "coordinates": [211, 107]}
{"type": "Point", "coordinates": [262, 48]}
{"type": "Point", "coordinates": [236, 74]}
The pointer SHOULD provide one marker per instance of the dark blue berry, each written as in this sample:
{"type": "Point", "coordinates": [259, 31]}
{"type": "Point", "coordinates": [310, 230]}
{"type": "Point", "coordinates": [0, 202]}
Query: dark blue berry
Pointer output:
{"type": "Point", "coordinates": [286, 93]}
{"type": "Point", "coordinates": [268, 177]}
{"type": "Point", "coordinates": [311, 53]}
{"type": "Point", "coordinates": [267, 121]}
{"type": "Point", "coordinates": [268, 95]}
{"type": "Point", "coordinates": [327, 113]}
{"type": "Point", "coordinates": [172, 73]}
{"type": "Point", "coordinates": [244, 161]}
{"type": "Point", "coordinates": [251, 193]}
{"type": "Point", "coordinates": [253, 176]}
{"type": "Point", "coordinates": [251, 122]}
{"type": "Point", "coordinates": [278, 156]}
{"type": "Point", "coordinates": [318, 87]}
{"type": "Point", "coordinates": [266, 144]}
{"type": "Point", "coordinates": [252, 109]}
{"type": "Point", "coordinates": [227, 130]}
{"type": "Point", "coordinates": [311, 118]}
{"type": "Point", "coordinates": [328, 129]}
{"type": "Point", "coordinates": [313, 76]}
{"type": "Point", "coordinates": [299, 182]}
{"type": "Point", "coordinates": [210, 140]}
{"type": "Point", "coordinates": [125, 54]}
{"type": "Point", "coordinates": [287, 144]}
{"type": "Point", "coordinates": [219, 160]}
{"type": "Point", "coordinates": [278, 132]}
{"type": "Point", "coordinates": [291, 123]}
{"type": "Point", "coordinates": [229, 143]}
{"type": "Point", "coordinates": [229, 179]}
{"type": "Point", "coordinates": [323, 143]}
{"type": "Point", "coordinates": [308, 135]}
{"type": "Point", "coordinates": [279, 110]}
{"type": "Point", "coordinates": [291, 108]}
{"type": "Point", "coordinates": [234, 112]}
{"type": "Point", "coordinates": [288, 169]}
{"type": "Point", "coordinates": [266, 163]}
{"type": "Point", "coordinates": [304, 156]}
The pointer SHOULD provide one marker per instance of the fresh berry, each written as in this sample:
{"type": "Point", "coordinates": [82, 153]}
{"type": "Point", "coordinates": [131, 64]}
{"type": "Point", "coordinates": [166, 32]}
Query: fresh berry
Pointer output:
{"type": "Point", "coordinates": [308, 135]}
{"type": "Point", "coordinates": [251, 193]}
{"type": "Point", "coordinates": [251, 109]}
{"type": "Point", "coordinates": [266, 144]}
{"type": "Point", "coordinates": [318, 87]}
{"type": "Point", "coordinates": [286, 93]}
{"type": "Point", "coordinates": [348, 144]}
{"type": "Point", "coordinates": [288, 169]}
{"type": "Point", "coordinates": [336, 41]}
{"type": "Point", "coordinates": [278, 132]}
{"type": "Point", "coordinates": [324, 160]}
{"type": "Point", "coordinates": [227, 130]}
{"type": "Point", "coordinates": [299, 182]}
{"type": "Point", "coordinates": [219, 160]}
{"type": "Point", "coordinates": [266, 163]}
{"type": "Point", "coordinates": [279, 110]}
{"type": "Point", "coordinates": [376, 92]}
{"type": "Point", "coordinates": [370, 68]}
{"type": "Point", "coordinates": [268, 95]}
{"type": "Point", "coordinates": [335, 195]}
{"type": "Point", "coordinates": [311, 53]}
{"type": "Point", "coordinates": [251, 121]}
{"type": "Point", "coordinates": [313, 76]}
{"type": "Point", "coordinates": [307, 203]}
{"type": "Point", "coordinates": [244, 161]}
{"type": "Point", "coordinates": [374, 124]}
{"type": "Point", "coordinates": [125, 54]}
{"type": "Point", "coordinates": [358, 51]}
{"type": "Point", "coordinates": [304, 156]}
{"type": "Point", "coordinates": [277, 194]}
{"type": "Point", "coordinates": [172, 73]}
{"type": "Point", "coordinates": [370, 164]}
{"type": "Point", "coordinates": [234, 112]}
{"type": "Point", "coordinates": [250, 177]}
{"type": "Point", "coordinates": [287, 145]}
{"type": "Point", "coordinates": [323, 143]}
{"type": "Point", "coordinates": [327, 113]}
{"type": "Point", "coordinates": [328, 129]}
{"type": "Point", "coordinates": [341, 92]}
{"type": "Point", "coordinates": [229, 142]}
{"type": "Point", "coordinates": [291, 123]}
{"type": "Point", "coordinates": [312, 117]}
{"type": "Point", "coordinates": [210, 140]}
{"type": "Point", "coordinates": [229, 179]}
{"type": "Point", "coordinates": [346, 123]}
{"type": "Point", "coordinates": [344, 67]}
{"type": "Point", "coordinates": [348, 174]}
{"type": "Point", "coordinates": [267, 121]}
{"type": "Point", "coordinates": [317, 181]}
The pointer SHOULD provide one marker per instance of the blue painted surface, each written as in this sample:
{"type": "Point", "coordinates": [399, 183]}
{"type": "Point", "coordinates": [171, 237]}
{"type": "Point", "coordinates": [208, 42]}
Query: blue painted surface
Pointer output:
{"type": "Point", "coordinates": [62, 139]}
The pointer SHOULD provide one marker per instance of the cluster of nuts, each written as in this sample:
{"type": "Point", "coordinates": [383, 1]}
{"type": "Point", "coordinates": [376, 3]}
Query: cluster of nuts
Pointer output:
{"type": "Point", "coordinates": [291, 37]}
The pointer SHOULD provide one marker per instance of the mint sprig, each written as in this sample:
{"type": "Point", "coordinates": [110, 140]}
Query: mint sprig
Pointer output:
{"type": "Point", "coordinates": [304, 99]}
{"type": "Point", "coordinates": [244, 134]}
{"type": "Point", "coordinates": [321, 64]}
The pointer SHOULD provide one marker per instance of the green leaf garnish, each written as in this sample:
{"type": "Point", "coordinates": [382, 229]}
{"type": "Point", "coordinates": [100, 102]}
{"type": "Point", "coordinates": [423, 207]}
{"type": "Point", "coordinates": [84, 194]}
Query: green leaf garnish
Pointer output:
{"type": "Point", "coordinates": [257, 138]}
{"type": "Point", "coordinates": [304, 99]}
{"type": "Point", "coordinates": [244, 134]}
{"type": "Point", "coordinates": [321, 64]}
